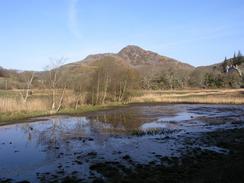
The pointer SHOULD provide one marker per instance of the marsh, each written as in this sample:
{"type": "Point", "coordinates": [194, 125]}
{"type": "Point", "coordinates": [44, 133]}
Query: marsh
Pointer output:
{"type": "Point", "coordinates": [112, 145]}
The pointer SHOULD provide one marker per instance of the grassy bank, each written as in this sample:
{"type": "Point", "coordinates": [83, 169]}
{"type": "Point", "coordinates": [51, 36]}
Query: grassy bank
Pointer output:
{"type": "Point", "coordinates": [12, 110]}
{"type": "Point", "coordinates": [14, 117]}
{"type": "Point", "coordinates": [218, 96]}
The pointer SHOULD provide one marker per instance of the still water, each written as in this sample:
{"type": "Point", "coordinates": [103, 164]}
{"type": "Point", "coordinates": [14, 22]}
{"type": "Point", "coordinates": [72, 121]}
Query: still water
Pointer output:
{"type": "Point", "coordinates": [55, 147]}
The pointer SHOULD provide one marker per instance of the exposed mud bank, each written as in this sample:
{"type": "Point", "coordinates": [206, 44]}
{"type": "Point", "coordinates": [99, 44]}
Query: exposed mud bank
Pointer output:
{"type": "Point", "coordinates": [154, 143]}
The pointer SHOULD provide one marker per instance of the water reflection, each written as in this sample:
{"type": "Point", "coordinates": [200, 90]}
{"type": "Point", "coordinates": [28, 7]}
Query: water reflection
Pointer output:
{"type": "Point", "coordinates": [74, 143]}
{"type": "Point", "coordinates": [131, 118]}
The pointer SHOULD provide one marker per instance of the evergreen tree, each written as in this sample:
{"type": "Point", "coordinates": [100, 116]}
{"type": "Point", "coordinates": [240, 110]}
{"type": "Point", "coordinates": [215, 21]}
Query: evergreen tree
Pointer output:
{"type": "Point", "coordinates": [238, 59]}
{"type": "Point", "coordinates": [225, 63]}
{"type": "Point", "coordinates": [234, 59]}
{"type": "Point", "coordinates": [239, 54]}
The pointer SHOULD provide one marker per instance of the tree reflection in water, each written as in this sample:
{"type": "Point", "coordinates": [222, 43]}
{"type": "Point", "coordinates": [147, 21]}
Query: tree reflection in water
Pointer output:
{"type": "Point", "coordinates": [60, 130]}
{"type": "Point", "coordinates": [131, 118]}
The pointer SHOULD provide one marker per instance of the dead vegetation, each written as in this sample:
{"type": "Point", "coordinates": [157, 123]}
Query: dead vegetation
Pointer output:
{"type": "Point", "coordinates": [216, 96]}
{"type": "Point", "coordinates": [15, 105]}
{"type": "Point", "coordinates": [42, 100]}
{"type": "Point", "coordinates": [110, 81]}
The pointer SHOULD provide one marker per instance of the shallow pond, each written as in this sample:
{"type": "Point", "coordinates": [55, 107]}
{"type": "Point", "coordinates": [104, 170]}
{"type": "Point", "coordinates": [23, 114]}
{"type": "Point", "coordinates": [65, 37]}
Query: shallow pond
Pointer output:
{"type": "Point", "coordinates": [55, 147]}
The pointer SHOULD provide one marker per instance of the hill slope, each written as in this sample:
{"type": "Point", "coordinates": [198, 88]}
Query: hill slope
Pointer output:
{"type": "Point", "coordinates": [134, 57]}
{"type": "Point", "coordinates": [216, 75]}
{"type": "Point", "coordinates": [152, 70]}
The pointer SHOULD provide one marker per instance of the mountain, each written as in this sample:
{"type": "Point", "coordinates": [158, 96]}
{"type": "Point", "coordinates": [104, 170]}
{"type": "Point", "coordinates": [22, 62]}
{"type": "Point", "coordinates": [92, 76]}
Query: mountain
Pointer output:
{"type": "Point", "coordinates": [133, 57]}
{"type": "Point", "coordinates": [137, 56]}
{"type": "Point", "coordinates": [156, 71]}
{"type": "Point", "coordinates": [142, 63]}
{"type": "Point", "coordinates": [149, 67]}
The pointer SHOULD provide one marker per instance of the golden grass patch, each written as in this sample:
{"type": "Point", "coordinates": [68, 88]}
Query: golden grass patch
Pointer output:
{"type": "Point", "coordinates": [231, 96]}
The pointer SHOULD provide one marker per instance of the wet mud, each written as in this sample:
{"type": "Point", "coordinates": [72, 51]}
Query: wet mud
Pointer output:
{"type": "Point", "coordinates": [156, 143]}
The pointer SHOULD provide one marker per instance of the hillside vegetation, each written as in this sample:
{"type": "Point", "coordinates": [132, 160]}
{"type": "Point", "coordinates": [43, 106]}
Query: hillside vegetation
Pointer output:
{"type": "Point", "coordinates": [152, 71]}
{"type": "Point", "coordinates": [132, 75]}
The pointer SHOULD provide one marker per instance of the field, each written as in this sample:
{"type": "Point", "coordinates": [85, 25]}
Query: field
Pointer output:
{"type": "Point", "coordinates": [208, 96]}
{"type": "Point", "coordinates": [39, 103]}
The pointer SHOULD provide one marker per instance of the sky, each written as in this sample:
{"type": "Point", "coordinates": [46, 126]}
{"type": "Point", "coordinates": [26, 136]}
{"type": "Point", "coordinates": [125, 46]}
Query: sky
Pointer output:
{"type": "Point", "coordinates": [33, 32]}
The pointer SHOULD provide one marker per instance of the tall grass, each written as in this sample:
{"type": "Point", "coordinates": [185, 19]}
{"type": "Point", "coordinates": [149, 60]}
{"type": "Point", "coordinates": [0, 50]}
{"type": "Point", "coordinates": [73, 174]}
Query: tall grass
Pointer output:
{"type": "Point", "coordinates": [12, 107]}
{"type": "Point", "coordinates": [15, 105]}
{"type": "Point", "coordinates": [42, 102]}
{"type": "Point", "coordinates": [193, 96]}
{"type": "Point", "coordinates": [39, 101]}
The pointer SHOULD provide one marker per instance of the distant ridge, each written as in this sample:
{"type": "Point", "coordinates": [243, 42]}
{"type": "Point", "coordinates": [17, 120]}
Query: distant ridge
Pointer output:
{"type": "Point", "coordinates": [136, 57]}
{"type": "Point", "coordinates": [146, 64]}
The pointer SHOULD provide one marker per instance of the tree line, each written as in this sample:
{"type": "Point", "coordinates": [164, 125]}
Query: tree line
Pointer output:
{"type": "Point", "coordinates": [111, 81]}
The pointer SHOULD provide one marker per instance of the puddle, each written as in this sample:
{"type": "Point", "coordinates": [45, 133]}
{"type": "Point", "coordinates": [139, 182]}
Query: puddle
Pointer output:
{"type": "Point", "coordinates": [61, 146]}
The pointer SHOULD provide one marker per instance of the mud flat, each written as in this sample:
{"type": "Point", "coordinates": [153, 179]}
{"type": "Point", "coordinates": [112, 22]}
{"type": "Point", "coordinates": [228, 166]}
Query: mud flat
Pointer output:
{"type": "Point", "coordinates": [144, 143]}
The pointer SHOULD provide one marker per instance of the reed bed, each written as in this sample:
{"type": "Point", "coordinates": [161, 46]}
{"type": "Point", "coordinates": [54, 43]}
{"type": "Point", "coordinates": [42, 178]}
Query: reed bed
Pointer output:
{"type": "Point", "coordinates": [192, 96]}
{"type": "Point", "coordinates": [15, 105]}
{"type": "Point", "coordinates": [13, 108]}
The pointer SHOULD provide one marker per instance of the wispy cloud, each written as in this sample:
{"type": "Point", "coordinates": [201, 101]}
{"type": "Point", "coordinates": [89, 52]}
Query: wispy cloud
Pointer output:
{"type": "Point", "coordinates": [202, 34]}
{"type": "Point", "coordinates": [73, 19]}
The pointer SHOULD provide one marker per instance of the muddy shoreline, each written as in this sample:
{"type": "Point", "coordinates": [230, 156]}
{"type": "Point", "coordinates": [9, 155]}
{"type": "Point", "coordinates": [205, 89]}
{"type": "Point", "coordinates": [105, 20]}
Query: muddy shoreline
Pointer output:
{"type": "Point", "coordinates": [31, 118]}
{"type": "Point", "coordinates": [196, 165]}
{"type": "Point", "coordinates": [146, 143]}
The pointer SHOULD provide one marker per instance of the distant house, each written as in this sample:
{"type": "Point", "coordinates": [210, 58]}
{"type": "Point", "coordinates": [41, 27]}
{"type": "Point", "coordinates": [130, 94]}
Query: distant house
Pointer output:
{"type": "Point", "coordinates": [233, 68]}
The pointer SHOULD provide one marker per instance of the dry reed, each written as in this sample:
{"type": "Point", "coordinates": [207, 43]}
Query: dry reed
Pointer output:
{"type": "Point", "coordinates": [42, 103]}
{"type": "Point", "coordinates": [193, 96]}
{"type": "Point", "coordinates": [15, 105]}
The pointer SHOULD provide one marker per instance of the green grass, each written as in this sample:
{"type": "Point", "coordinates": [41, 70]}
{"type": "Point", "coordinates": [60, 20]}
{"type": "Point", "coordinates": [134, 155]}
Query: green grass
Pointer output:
{"type": "Point", "coordinates": [16, 117]}
{"type": "Point", "coordinates": [87, 108]}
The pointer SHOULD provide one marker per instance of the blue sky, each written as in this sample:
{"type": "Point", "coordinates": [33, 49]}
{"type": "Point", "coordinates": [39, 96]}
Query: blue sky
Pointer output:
{"type": "Point", "coordinates": [197, 32]}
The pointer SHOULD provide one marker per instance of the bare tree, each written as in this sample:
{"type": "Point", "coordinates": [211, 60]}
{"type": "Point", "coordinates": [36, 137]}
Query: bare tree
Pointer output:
{"type": "Point", "coordinates": [111, 81]}
{"type": "Point", "coordinates": [79, 85]}
{"type": "Point", "coordinates": [28, 79]}
{"type": "Point", "coordinates": [106, 85]}
{"type": "Point", "coordinates": [98, 89]}
{"type": "Point", "coordinates": [78, 97]}
{"type": "Point", "coordinates": [148, 78]}
{"type": "Point", "coordinates": [122, 90]}
{"type": "Point", "coordinates": [56, 84]}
